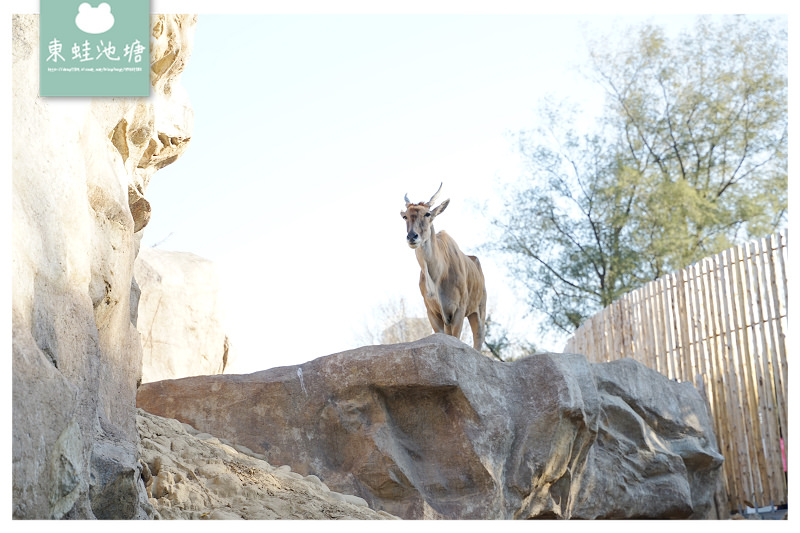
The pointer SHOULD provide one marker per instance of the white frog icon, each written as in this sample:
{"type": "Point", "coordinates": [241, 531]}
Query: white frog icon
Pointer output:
{"type": "Point", "coordinates": [94, 19]}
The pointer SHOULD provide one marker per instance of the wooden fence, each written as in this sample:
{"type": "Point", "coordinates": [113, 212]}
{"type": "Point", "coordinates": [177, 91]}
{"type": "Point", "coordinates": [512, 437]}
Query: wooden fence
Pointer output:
{"type": "Point", "coordinates": [720, 324]}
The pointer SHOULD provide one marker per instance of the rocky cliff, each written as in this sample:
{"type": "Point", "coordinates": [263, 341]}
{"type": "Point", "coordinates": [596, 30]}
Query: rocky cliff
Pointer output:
{"type": "Point", "coordinates": [179, 316]}
{"type": "Point", "coordinates": [433, 429]}
{"type": "Point", "coordinates": [80, 168]}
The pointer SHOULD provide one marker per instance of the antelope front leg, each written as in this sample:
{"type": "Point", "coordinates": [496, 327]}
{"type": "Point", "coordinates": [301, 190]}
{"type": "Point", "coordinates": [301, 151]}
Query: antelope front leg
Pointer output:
{"type": "Point", "coordinates": [436, 321]}
{"type": "Point", "coordinates": [455, 323]}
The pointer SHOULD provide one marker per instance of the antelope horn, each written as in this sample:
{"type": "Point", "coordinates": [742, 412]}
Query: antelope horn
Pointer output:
{"type": "Point", "coordinates": [433, 198]}
{"type": "Point", "coordinates": [408, 202]}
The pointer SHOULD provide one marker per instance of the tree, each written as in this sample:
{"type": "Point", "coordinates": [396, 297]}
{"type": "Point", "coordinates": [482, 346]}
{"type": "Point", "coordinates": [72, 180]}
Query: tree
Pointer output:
{"type": "Point", "coordinates": [688, 157]}
{"type": "Point", "coordinates": [502, 345]}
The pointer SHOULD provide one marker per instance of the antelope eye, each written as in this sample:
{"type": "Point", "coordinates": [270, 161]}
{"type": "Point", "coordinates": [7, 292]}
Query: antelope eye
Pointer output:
{"type": "Point", "coordinates": [405, 217]}
{"type": "Point", "coordinates": [427, 214]}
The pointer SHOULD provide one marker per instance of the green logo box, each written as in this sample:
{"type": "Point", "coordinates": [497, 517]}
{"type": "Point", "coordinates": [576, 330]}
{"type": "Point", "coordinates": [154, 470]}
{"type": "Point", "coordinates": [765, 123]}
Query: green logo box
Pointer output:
{"type": "Point", "coordinates": [94, 48]}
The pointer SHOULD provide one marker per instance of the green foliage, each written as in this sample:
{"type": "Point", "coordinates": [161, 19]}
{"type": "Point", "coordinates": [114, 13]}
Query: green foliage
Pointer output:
{"type": "Point", "coordinates": [688, 157]}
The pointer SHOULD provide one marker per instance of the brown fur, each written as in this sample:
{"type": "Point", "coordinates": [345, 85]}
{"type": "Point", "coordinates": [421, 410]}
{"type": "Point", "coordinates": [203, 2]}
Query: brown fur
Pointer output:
{"type": "Point", "coordinates": [451, 283]}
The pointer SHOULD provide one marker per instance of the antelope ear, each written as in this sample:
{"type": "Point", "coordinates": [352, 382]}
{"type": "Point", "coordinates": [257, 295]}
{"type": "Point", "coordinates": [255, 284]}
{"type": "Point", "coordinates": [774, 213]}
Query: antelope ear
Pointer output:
{"type": "Point", "coordinates": [436, 211]}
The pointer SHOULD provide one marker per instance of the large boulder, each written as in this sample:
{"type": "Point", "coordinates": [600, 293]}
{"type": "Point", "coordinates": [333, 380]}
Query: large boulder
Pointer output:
{"type": "Point", "coordinates": [433, 429]}
{"type": "Point", "coordinates": [180, 316]}
{"type": "Point", "coordinates": [80, 167]}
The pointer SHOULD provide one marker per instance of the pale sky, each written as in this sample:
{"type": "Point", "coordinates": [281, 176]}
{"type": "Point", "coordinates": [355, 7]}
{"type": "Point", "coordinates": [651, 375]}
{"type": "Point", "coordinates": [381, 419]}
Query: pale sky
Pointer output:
{"type": "Point", "coordinates": [309, 130]}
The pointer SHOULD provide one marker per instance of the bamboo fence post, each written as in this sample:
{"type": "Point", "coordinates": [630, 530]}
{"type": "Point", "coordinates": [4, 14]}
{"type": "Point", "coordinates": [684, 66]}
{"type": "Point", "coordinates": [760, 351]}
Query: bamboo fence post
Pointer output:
{"type": "Point", "coordinates": [783, 241]}
{"type": "Point", "coordinates": [783, 246]}
{"type": "Point", "coordinates": [766, 392]}
{"type": "Point", "coordinates": [754, 424]}
{"type": "Point", "coordinates": [611, 329]}
{"type": "Point", "coordinates": [698, 350]}
{"type": "Point", "coordinates": [655, 323]}
{"type": "Point", "coordinates": [643, 339]}
{"type": "Point", "coordinates": [602, 330]}
{"type": "Point", "coordinates": [599, 337]}
{"type": "Point", "coordinates": [625, 339]}
{"type": "Point", "coordinates": [699, 333]}
{"type": "Point", "coordinates": [592, 346]}
{"type": "Point", "coordinates": [593, 343]}
{"type": "Point", "coordinates": [779, 365]}
{"type": "Point", "coordinates": [738, 442]}
{"type": "Point", "coordinates": [703, 334]}
{"type": "Point", "coordinates": [663, 327]}
{"type": "Point", "coordinates": [608, 329]}
{"type": "Point", "coordinates": [672, 336]}
{"type": "Point", "coordinates": [738, 369]}
{"type": "Point", "coordinates": [637, 325]}
{"type": "Point", "coordinates": [721, 398]}
{"type": "Point", "coordinates": [633, 325]}
{"type": "Point", "coordinates": [669, 295]}
{"type": "Point", "coordinates": [658, 328]}
{"type": "Point", "coordinates": [685, 346]}
{"type": "Point", "coordinates": [772, 341]}
{"type": "Point", "coordinates": [681, 340]}
{"type": "Point", "coordinates": [675, 329]}
{"type": "Point", "coordinates": [625, 317]}
{"type": "Point", "coordinates": [619, 333]}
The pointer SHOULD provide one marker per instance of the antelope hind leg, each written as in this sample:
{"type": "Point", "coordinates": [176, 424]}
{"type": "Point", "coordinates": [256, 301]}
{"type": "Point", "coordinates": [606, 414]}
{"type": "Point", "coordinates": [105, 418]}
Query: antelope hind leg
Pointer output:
{"type": "Point", "coordinates": [477, 331]}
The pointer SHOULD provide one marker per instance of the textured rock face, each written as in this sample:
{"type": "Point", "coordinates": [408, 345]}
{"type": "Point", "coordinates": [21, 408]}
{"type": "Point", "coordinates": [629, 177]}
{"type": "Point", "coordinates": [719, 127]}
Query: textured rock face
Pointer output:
{"type": "Point", "coordinates": [179, 316]}
{"type": "Point", "coordinates": [79, 170]}
{"type": "Point", "coordinates": [193, 475]}
{"type": "Point", "coordinates": [433, 429]}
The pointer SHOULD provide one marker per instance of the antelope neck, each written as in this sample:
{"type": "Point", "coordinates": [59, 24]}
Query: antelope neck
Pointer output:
{"type": "Point", "coordinates": [428, 255]}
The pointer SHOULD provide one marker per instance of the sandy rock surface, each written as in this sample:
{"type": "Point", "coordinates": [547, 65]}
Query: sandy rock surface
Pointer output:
{"type": "Point", "coordinates": [193, 475]}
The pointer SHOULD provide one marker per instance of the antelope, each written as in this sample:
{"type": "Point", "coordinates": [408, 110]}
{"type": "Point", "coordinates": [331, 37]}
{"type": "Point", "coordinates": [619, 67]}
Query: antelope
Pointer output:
{"type": "Point", "coordinates": [451, 283]}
